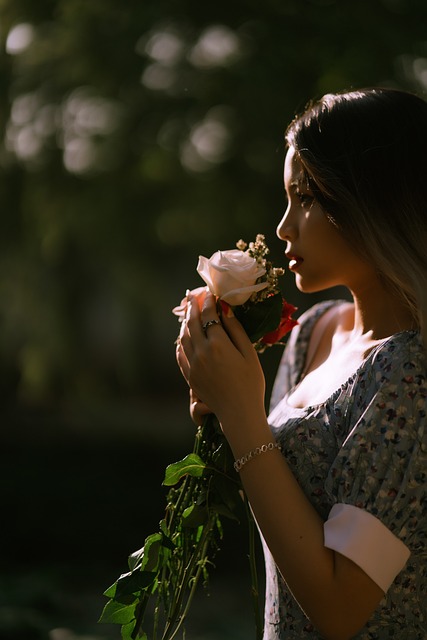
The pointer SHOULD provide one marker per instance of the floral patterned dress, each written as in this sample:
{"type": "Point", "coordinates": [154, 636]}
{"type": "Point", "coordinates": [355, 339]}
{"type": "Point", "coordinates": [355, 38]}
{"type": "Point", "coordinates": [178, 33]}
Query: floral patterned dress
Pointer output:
{"type": "Point", "coordinates": [365, 446]}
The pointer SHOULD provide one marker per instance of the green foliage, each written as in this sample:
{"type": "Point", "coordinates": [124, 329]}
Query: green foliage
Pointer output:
{"type": "Point", "coordinates": [167, 570]}
{"type": "Point", "coordinates": [135, 136]}
{"type": "Point", "coordinates": [191, 465]}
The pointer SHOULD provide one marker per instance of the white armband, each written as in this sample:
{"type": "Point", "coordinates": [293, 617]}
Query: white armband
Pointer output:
{"type": "Point", "coordinates": [364, 539]}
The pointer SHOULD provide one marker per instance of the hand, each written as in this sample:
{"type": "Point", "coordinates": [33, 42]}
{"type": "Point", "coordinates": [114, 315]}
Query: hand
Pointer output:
{"type": "Point", "coordinates": [220, 364]}
{"type": "Point", "coordinates": [199, 294]}
{"type": "Point", "coordinates": [198, 409]}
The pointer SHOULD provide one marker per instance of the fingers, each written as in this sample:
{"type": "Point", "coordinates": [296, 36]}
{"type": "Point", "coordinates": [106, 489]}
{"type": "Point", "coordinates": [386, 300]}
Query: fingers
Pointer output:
{"type": "Point", "coordinates": [198, 409]}
{"type": "Point", "coordinates": [203, 324]}
{"type": "Point", "coordinates": [193, 321]}
{"type": "Point", "coordinates": [203, 318]}
{"type": "Point", "coordinates": [215, 325]}
{"type": "Point", "coordinates": [211, 322]}
{"type": "Point", "coordinates": [237, 334]}
{"type": "Point", "coordinates": [209, 310]}
{"type": "Point", "coordinates": [182, 360]}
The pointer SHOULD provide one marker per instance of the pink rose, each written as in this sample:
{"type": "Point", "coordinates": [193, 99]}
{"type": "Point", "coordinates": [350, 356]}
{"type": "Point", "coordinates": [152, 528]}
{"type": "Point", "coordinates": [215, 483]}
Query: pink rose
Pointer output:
{"type": "Point", "coordinates": [232, 275]}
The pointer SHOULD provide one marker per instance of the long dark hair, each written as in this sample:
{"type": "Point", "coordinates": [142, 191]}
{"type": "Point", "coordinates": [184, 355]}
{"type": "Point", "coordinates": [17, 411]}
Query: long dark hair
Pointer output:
{"type": "Point", "coordinates": [365, 157]}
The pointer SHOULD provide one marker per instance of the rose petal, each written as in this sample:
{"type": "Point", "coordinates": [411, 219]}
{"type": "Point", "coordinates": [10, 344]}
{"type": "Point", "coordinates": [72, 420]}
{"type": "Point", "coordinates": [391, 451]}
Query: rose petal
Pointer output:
{"type": "Point", "coordinates": [231, 275]}
{"type": "Point", "coordinates": [181, 309]}
{"type": "Point", "coordinates": [237, 297]}
{"type": "Point", "coordinates": [286, 324]}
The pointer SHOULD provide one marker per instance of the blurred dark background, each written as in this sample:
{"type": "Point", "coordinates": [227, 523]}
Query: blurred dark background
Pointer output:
{"type": "Point", "coordinates": [136, 135]}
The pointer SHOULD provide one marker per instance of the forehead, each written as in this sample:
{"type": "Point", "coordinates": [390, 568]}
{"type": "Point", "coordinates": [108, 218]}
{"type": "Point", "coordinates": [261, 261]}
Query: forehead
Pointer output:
{"type": "Point", "coordinates": [293, 169]}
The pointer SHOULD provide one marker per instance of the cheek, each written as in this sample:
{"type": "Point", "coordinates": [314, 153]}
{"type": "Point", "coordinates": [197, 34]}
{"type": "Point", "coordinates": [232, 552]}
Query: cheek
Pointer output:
{"type": "Point", "coordinates": [322, 267]}
{"type": "Point", "coordinates": [328, 240]}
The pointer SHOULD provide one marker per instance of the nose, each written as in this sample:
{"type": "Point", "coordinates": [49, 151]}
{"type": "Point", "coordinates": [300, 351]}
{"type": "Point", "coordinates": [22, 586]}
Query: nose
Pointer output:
{"type": "Point", "coordinates": [285, 229]}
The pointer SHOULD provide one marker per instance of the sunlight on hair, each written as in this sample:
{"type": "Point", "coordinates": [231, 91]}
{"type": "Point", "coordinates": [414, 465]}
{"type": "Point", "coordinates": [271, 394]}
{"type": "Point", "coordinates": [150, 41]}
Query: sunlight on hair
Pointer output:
{"type": "Point", "coordinates": [19, 38]}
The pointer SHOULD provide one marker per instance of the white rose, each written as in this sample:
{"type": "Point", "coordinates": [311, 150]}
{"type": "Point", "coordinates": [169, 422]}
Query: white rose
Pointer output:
{"type": "Point", "coordinates": [231, 275]}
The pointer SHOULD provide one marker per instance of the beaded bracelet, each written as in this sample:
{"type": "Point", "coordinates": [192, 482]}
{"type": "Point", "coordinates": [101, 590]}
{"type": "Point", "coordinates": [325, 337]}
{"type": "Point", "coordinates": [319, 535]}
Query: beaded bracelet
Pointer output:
{"type": "Point", "coordinates": [256, 452]}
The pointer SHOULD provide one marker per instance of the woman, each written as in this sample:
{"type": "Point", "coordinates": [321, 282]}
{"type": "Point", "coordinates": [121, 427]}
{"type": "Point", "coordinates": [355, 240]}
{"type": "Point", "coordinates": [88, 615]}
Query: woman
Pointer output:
{"type": "Point", "coordinates": [342, 507]}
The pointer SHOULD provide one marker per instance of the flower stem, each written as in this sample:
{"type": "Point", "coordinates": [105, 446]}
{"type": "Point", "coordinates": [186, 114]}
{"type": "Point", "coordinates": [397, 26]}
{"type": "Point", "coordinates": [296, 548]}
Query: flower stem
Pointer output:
{"type": "Point", "coordinates": [176, 617]}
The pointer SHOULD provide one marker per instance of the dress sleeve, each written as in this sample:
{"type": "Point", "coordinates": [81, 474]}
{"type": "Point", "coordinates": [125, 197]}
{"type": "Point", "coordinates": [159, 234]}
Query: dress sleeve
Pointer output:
{"type": "Point", "coordinates": [377, 482]}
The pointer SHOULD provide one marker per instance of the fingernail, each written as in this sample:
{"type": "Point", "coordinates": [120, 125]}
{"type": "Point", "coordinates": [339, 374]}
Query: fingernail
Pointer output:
{"type": "Point", "coordinates": [188, 295]}
{"type": "Point", "coordinates": [226, 309]}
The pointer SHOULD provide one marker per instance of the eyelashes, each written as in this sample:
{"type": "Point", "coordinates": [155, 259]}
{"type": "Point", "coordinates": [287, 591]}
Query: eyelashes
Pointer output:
{"type": "Point", "coordinates": [305, 199]}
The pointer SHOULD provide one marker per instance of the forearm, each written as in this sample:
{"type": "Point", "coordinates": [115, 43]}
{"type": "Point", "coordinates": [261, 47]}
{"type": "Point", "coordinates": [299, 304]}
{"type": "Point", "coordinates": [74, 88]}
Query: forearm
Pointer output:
{"type": "Point", "coordinates": [336, 595]}
{"type": "Point", "coordinates": [223, 369]}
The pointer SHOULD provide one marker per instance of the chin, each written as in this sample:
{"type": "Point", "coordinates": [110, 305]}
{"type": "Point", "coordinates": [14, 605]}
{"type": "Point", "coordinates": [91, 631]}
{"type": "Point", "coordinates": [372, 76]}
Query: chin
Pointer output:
{"type": "Point", "coordinates": [314, 286]}
{"type": "Point", "coordinates": [306, 287]}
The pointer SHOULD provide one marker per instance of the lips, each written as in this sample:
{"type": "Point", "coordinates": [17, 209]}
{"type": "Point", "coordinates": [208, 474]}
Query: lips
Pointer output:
{"type": "Point", "coordinates": [294, 261]}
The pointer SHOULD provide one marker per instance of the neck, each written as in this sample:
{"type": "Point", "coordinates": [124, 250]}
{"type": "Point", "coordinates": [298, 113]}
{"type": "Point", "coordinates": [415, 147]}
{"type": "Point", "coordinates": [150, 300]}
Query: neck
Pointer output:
{"type": "Point", "coordinates": [380, 313]}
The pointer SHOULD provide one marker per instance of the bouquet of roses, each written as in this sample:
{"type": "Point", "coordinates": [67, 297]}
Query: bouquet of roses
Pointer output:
{"type": "Point", "coordinates": [204, 487]}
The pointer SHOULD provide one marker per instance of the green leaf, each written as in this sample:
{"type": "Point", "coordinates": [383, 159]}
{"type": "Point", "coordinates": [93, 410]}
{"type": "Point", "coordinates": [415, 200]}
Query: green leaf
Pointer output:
{"type": "Point", "coordinates": [119, 611]}
{"type": "Point", "coordinates": [167, 542]}
{"type": "Point", "coordinates": [191, 465]}
{"type": "Point", "coordinates": [226, 492]}
{"type": "Point", "coordinates": [260, 318]}
{"type": "Point", "coordinates": [128, 632]}
{"type": "Point", "coordinates": [224, 511]}
{"type": "Point", "coordinates": [148, 555]}
{"type": "Point", "coordinates": [135, 558]}
{"type": "Point", "coordinates": [195, 516]}
{"type": "Point", "coordinates": [134, 582]}
{"type": "Point", "coordinates": [139, 635]}
{"type": "Point", "coordinates": [150, 560]}
{"type": "Point", "coordinates": [111, 591]}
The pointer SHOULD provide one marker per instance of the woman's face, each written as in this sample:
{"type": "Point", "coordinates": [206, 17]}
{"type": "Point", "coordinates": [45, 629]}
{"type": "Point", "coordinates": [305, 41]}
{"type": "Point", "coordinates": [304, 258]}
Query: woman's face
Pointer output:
{"type": "Point", "coordinates": [318, 254]}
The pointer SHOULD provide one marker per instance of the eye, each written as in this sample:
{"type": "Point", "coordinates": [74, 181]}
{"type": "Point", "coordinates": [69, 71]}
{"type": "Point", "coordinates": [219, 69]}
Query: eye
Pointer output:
{"type": "Point", "coordinates": [305, 199]}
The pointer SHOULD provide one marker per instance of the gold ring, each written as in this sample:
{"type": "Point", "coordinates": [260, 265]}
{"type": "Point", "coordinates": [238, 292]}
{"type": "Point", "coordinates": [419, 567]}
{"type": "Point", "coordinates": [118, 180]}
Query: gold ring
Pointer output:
{"type": "Point", "coordinates": [209, 323]}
